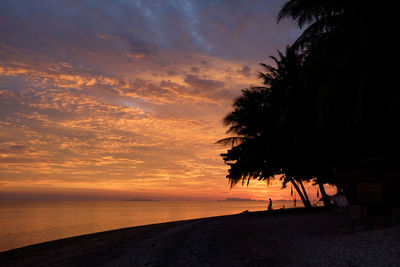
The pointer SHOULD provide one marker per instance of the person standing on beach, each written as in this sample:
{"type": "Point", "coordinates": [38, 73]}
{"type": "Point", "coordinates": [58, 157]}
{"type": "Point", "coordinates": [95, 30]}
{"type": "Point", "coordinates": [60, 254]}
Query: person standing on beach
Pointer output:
{"type": "Point", "coordinates": [270, 205]}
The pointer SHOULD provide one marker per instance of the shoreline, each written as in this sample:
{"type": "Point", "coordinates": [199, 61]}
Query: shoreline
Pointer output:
{"type": "Point", "coordinates": [57, 220]}
{"type": "Point", "coordinates": [248, 213]}
{"type": "Point", "coordinates": [282, 237]}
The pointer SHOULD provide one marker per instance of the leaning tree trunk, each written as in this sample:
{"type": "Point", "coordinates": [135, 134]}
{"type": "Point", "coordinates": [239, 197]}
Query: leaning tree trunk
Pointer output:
{"type": "Point", "coordinates": [306, 204]}
{"type": "Point", "coordinates": [304, 191]}
{"type": "Point", "coordinates": [325, 198]}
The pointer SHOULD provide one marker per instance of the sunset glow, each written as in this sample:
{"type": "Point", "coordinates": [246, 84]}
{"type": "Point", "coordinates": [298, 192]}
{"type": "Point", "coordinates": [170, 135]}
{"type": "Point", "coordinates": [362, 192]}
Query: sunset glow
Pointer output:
{"type": "Point", "coordinates": [125, 99]}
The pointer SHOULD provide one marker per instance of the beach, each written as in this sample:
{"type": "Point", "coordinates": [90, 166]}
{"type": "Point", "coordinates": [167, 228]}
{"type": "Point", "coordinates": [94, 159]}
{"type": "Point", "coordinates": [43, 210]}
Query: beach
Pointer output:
{"type": "Point", "coordinates": [281, 238]}
{"type": "Point", "coordinates": [27, 223]}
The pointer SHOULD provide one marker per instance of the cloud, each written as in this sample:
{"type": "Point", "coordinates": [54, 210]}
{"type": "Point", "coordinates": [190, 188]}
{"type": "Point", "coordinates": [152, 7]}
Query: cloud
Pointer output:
{"type": "Point", "coordinates": [203, 84]}
{"type": "Point", "coordinates": [194, 69]}
{"type": "Point", "coordinates": [245, 71]}
{"type": "Point", "coordinates": [127, 95]}
{"type": "Point", "coordinates": [14, 148]}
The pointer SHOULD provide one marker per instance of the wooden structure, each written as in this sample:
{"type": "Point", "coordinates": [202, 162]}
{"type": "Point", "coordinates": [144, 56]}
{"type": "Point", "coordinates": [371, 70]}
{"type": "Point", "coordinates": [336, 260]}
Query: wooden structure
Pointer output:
{"type": "Point", "coordinates": [374, 183]}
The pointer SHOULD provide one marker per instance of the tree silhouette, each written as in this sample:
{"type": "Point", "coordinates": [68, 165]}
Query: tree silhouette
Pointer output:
{"type": "Point", "coordinates": [268, 126]}
{"type": "Point", "coordinates": [331, 101]}
{"type": "Point", "coordinates": [349, 68]}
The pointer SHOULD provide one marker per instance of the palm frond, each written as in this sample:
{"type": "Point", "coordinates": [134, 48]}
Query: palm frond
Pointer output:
{"type": "Point", "coordinates": [231, 141]}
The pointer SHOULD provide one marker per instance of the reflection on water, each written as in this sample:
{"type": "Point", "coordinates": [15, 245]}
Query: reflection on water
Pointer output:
{"type": "Point", "coordinates": [24, 223]}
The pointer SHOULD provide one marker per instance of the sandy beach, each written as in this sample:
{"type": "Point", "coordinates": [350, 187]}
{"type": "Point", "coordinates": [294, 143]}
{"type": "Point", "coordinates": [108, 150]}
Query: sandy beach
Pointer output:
{"type": "Point", "coordinates": [281, 238]}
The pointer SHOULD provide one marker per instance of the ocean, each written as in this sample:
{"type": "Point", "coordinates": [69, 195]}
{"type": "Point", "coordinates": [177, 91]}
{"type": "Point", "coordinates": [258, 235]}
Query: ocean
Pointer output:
{"type": "Point", "coordinates": [26, 223]}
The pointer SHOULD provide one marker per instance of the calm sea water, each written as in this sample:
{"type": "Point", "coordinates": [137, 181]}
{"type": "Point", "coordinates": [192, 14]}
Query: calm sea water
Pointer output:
{"type": "Point", "coordinates": [26, 223]}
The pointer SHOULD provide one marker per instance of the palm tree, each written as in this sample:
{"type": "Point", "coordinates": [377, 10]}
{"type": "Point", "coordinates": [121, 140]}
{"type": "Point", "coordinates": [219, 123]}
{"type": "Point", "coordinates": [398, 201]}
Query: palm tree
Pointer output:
{"type": "Point", "coordinates": [247, 122]}
{"type": "Point", "coordinates": [331, 27]}
{"type": "Point", "coordinates": [353, 86]}
{"type": "Point", "coordinates": [325, 20]}
{"type": "Point", "coordinates": [268, 126]}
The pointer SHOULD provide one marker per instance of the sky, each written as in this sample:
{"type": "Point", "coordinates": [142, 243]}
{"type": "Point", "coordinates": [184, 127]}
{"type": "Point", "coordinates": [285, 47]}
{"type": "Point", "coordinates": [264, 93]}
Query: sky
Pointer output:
{"type": "Point", "coordinates": [125, 99]}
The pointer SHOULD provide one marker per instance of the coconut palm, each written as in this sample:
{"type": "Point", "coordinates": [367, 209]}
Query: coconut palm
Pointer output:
{"type": "Point", "coordinates": [353, 86]}
{"type": "Point", "coordinates": [325, 19]}
{"type": "Point", "coordinates": [268, 124]}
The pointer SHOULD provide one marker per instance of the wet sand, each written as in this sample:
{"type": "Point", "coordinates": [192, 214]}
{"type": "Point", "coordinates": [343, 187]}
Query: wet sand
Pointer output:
{"type": "Point", "coordinates": [281, 238]}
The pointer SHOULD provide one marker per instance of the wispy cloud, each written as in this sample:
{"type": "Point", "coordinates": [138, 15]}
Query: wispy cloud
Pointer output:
{"type": "Point", "coordinates": [126, 96]}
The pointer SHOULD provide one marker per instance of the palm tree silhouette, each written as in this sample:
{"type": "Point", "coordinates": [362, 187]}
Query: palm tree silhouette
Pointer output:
{"type": "Point", "coordinates": [352, 84]}
{"type": "Point", "coordinates": [331, 101]}
{"type": "Point", "coordinates": [268, 125]}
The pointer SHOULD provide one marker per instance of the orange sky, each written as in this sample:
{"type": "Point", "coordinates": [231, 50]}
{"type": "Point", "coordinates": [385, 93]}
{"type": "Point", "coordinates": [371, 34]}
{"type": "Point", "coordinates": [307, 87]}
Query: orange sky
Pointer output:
{"type": "Point", "coordinates": [103, 105]}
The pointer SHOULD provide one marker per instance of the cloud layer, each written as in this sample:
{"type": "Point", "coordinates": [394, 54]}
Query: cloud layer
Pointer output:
{"type": "Point", "coordinates": [127, 96]}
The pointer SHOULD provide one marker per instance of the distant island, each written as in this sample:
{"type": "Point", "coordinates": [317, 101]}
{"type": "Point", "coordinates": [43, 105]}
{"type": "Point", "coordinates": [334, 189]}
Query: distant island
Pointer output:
{"type": "Point", "coordinates": [140, 199]}
{"type": "Point", "coordinates": [239, 199]}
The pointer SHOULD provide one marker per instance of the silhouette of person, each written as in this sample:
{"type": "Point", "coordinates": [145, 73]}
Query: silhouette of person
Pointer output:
{"type": "Point", "coordinates": [270, 205]}
{"type": "Point", "coordinates": [295, 202]}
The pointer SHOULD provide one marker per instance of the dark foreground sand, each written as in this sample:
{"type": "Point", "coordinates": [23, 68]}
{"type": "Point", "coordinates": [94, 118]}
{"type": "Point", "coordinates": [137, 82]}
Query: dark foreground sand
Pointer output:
{"type": "Point", "coordinates": [290, 238]}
